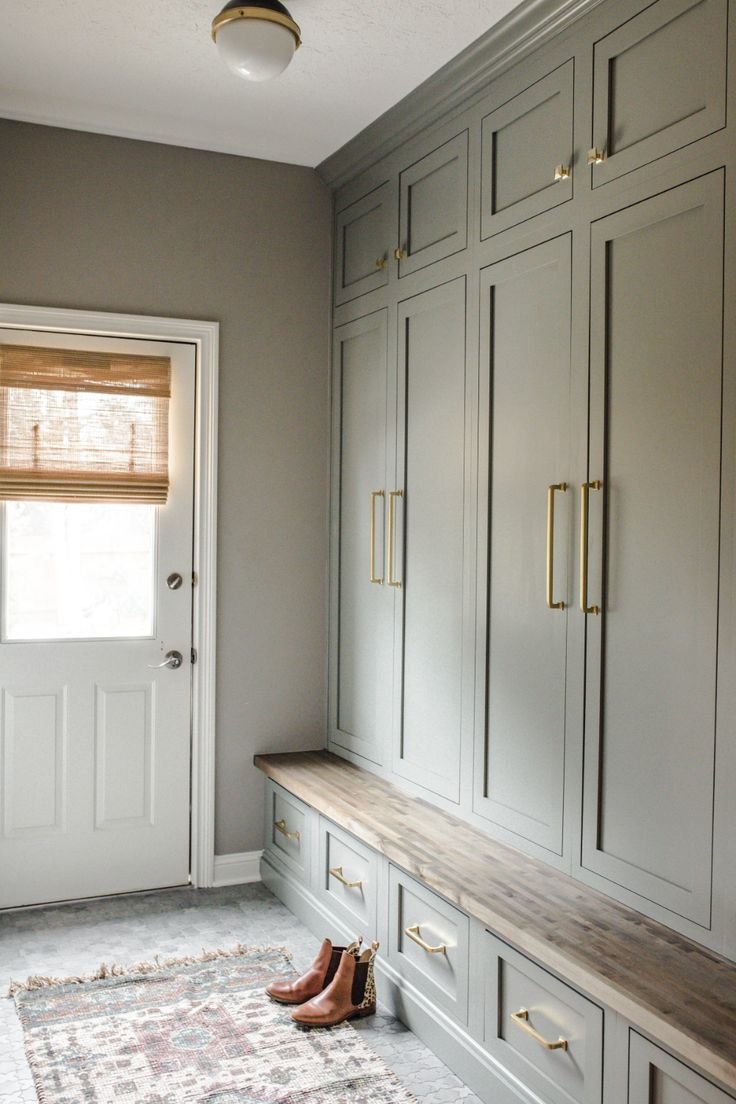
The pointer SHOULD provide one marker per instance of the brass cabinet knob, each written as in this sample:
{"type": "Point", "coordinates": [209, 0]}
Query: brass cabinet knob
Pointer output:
{"type": "Point", "coordinates": [381, 262]}
{"type": "Point", "coordinates": [562, 172]}
{"type": "Point", "coordinates": [595, 156]}
{"type": "Point", "coordinates": [399, 254]}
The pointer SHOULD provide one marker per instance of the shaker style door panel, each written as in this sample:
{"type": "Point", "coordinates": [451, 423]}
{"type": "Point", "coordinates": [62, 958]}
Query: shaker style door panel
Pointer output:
{"type": "Point", "coordinates": [659, 84]}
{"type": "Point", "coordinates": [363, 237]}
{"type": "Point", "coordinates": [429, 527]}
{"type": "Point", "coordinates": [360, 683]}
{"type": "Point", "coordinates": [527, 153]}
{"type": "Point", "coordinates": [655, 1077]}
{"type": "Point", "coordinates": [433, 206]}
{"type": "Point", "coordinates": [656, 369]}
{"type": "Point", "coordinates": [525, 442]}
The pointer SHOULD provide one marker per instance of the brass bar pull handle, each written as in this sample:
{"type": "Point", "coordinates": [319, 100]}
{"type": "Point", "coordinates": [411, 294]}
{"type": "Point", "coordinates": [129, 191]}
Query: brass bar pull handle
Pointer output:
{"type": "Point", "coordinates": [521, 1019]}
{"type": "Point", "coordinates": [372, 555]}
{"type": "Point", "coordinates": [551, 604]}
{"type": "Point", "coordinates": [280, 826]}
{"type": "Point", "coordinates": [392, 496]}
{"type": "Point", "coordinates": [596, 156]}
{"type": "Point", "coordinates": [336, 872]}
{"type": "Point", "coordinates": [562, 172]}
{"type": "Point", "coordinates": [585, 490]}
{"type": "Point", "coordinates": [413, 933]}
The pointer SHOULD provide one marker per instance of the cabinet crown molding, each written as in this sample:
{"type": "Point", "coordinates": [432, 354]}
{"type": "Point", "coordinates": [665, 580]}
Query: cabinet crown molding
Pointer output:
{"type": "Point", "coordinates": [523, 30]}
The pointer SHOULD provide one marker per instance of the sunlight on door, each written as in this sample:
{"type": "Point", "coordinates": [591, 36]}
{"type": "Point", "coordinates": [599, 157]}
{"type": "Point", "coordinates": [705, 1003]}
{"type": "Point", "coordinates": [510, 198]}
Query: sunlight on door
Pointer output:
{"type": "Point", "coordinates": [79, 571]}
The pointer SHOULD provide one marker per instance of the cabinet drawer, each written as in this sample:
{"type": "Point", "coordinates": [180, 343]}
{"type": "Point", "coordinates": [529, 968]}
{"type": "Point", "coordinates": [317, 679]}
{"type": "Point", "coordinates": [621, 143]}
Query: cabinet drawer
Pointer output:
{"type": "Point", "coordinates": [362, 242]}
{"type": "Point", "coordinates": [655, 1077]}
{"type": "Point", "coordinates": [521, 998]}
{"type": "Point", "coordinates": [289, 830]}
{"type": "Point", "coordinates": [433, 206]}
{"type": "Point", "coordinates": [347, 879]}
{"type": "Point", "coordinates": [659, 84]}
{"type": "Point", "coordinates": [527, 150]}
{"type": "Point", "coordinates": [428, 943]}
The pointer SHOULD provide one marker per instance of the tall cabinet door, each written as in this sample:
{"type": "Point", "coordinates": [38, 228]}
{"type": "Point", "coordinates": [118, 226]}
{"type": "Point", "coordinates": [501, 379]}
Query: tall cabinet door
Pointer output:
{"type": "Point", "coordinates": [524, 453]}
{"type": "Point", "coordinates": [428, 521]}
{"type": "Point", "coordinates": [656, 374]}
{"type": "Point", "coordinates": [361, 603]}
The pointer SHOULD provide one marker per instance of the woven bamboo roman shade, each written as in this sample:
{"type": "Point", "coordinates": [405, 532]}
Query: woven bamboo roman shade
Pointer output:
{"type": "Point", "coordinates": [83, 426]}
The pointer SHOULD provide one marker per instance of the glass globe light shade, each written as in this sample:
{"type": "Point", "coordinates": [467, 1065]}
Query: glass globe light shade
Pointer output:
{"type": "Point", "coordinates": [255, 48]}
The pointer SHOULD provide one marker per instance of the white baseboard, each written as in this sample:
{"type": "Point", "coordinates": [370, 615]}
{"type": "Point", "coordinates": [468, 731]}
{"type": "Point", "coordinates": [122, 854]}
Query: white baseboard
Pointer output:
{"type": "Point", "coordinates": [237, 869]}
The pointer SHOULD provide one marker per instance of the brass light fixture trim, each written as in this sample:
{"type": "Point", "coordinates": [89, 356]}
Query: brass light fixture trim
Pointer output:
{"type": "Point", "coordinates": [271, 11]}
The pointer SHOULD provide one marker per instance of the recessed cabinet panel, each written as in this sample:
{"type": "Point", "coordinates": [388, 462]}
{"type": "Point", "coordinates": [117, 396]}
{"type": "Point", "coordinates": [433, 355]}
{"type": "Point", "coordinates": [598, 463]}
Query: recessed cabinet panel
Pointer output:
{"type": "Point", "coordinates": [655, 1077]}
{"type": "Point", "coordinates": [525, 444]}
{"type": "Point", "coordinates": [656, 373]}
{"type": "Point", "coordinates": [660, 83]}
{"type": "Point", "coordinates": [289, 831]}
{"type": "Point", "coordinates": [428, 524]}
{"type": "Point", "coordinates": [528, 153]}
{"type": "Point", "coordinates": [546, 1033]}
{"type": "Point", "coordinates": [348, 877]}
{"type": "Point", "coordinates": [362, 242]}
{"type": "Point", "coordinates": [428, 943]}
{"type": "Point", "coordinates": [433, 218]}
{"type": "Point", "coordinates": [360, 700]}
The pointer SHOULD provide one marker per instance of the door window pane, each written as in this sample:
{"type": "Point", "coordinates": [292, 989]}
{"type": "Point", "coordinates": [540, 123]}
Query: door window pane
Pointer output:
{"type": "Point", "coordinates": [78, 570]}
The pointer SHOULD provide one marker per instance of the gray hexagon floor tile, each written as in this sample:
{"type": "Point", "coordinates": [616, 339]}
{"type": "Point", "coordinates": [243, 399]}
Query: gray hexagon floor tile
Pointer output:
{"type": "Point", "coordinates": [75, 938]}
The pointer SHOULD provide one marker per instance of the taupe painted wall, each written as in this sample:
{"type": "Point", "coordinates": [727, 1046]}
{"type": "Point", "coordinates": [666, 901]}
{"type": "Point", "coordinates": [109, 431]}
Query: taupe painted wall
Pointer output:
{"type": "Point", "coordinates": [99, 223]}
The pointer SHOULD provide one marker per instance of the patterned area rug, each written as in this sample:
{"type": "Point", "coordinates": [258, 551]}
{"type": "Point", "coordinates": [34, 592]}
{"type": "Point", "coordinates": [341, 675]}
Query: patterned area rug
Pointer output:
{"type": "Point", "coordinates": [184, 1031]}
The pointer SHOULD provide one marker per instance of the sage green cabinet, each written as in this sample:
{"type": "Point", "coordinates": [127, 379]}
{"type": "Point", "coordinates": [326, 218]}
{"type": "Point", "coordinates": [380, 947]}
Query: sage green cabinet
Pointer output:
{"type": "Point", "coordinates": [363, 236]}
{"type": "Point", "coordinates": [528, 153]}
{"type": "Point", "coordinates": [361, 606]}
{"type": "Point", "coordinates": [659, 84]}
{"type": "Point", "coordinates": [429, 527]}
{"type": "Point", "coordinates": [433, 206]}
{"type": "Point", "coordinates": [655, 1077]}
{"type": "Point", "coordinates": [654, 546]}
{"type": "Point", "coordinates": [526, 510]}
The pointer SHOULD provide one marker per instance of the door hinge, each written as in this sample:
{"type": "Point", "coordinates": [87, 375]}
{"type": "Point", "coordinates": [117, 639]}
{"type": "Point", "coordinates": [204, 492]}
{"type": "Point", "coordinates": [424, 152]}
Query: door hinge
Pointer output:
{"type": "Point", "coordinates": [194, 655]}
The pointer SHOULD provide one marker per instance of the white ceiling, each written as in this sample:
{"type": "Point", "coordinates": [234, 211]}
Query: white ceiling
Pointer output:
{"type": "Point", "coordinates": [148, 69]}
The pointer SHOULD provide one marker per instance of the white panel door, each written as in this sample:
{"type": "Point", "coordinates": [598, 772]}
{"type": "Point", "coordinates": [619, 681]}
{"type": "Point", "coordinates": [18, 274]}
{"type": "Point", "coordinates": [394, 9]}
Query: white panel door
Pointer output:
{"type": "Point", "coordinates": [94, 734]}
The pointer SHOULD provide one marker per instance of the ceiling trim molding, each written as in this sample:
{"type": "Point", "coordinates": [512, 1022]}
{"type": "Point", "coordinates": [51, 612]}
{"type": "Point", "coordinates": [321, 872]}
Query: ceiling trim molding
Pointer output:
{"type": "Point", "coordinates": [515, 36]}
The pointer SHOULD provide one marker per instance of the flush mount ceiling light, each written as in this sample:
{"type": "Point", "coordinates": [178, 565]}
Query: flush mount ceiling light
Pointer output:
{"type": "Point", "coordinates": [256, 40]}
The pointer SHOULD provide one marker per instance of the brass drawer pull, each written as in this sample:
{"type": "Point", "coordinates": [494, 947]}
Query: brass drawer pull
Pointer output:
{"type": "Point", "coordinates": [562, 172]}
{"type": "Point", "coordinates": [551, 544]}
{"type": "Point", "coordinates": [280, 826]}
{"type": "Point", "coordinates": [585, 490]}
{"type": "Point", "coordinates": [596, 156]}
{"type": "Point", "coordinates": [413, 933]}
{"type": "Point", "coordinates": [521, 1019]}
{"type": "Point", "coordinates": [336, 872]}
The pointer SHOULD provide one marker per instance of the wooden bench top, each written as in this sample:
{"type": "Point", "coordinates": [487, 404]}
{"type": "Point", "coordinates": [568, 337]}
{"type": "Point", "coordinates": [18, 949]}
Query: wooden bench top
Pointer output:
{"type": "Point", "coordinates": [672, 988]}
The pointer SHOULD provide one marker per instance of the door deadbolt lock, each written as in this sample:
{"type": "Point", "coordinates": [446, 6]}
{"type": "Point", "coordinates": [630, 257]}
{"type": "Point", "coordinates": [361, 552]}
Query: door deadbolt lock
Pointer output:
{"type": "Point", "coordinates": [174, 581]}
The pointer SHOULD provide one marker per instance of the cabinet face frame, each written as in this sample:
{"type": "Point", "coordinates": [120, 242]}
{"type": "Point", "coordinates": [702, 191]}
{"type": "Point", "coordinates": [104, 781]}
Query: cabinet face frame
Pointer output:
{"type": "Point", "coordinates": [553, 418]}
{"type": "Point", "coordinates": [377, 207]}
{"type": "Point", "coordinates": [680, 132]}
{"type": "Point", "coordinates": [450, 157]}
{"type": "Point", "coordinates": [558, 86]}
{"type": "Point", "coordinates": [381, 599]}
{"type": "Point", "coordinates": [691, 901]}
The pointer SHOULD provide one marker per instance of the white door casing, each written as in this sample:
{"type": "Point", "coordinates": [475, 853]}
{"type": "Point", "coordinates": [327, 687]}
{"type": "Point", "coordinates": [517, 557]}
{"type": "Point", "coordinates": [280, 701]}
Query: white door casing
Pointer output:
{"type": "Point", "coordinates": [48, 856]}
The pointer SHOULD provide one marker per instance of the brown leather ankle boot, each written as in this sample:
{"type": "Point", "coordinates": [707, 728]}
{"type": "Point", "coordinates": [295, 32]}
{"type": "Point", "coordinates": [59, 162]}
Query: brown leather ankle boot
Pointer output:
{"type": "Point", "coordinates": [350, 994]}
{"type": "Point", "coordinates": [317, 977]}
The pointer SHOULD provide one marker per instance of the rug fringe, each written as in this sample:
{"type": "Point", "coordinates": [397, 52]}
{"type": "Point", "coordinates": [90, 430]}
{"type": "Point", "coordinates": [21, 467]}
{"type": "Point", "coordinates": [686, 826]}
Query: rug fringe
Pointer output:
{"type": "Point", "coordinates": [37, 981]}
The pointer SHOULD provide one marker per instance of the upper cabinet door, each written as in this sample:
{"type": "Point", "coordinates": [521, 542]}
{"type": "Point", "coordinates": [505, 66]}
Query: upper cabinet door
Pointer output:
{"type": "Point", "coordinates": [361, 603]}
{"type": "Point", "coordinates": [429, 515]}
{"type": "Point", "coordinates": [656, 377]}
{"type": "Point", "coordinates": [524, 454]}
{"type": "Point", "coordinates": [363, 239]}
{"type": "Point", "coordinates": [659, 84]}
{"type": "Point", "coordinates": [528, 153]}
{"type": "Point", "coordinates": [433, 206]}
